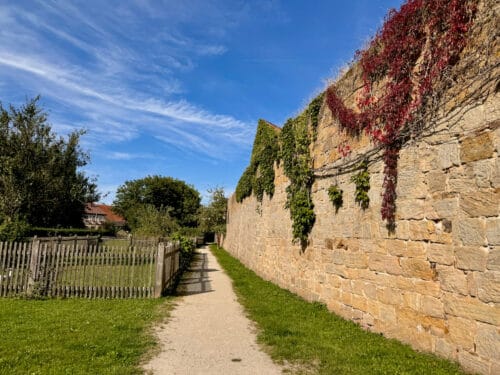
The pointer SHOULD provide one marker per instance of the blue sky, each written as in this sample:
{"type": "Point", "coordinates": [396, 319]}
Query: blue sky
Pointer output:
{"type": "Point", "coordinates": [173, 87]}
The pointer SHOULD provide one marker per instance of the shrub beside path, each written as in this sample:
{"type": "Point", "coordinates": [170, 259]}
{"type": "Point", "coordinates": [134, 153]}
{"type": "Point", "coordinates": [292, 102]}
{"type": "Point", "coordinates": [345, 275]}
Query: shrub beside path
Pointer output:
{"type": "Point", "coordinates": [208, 332]}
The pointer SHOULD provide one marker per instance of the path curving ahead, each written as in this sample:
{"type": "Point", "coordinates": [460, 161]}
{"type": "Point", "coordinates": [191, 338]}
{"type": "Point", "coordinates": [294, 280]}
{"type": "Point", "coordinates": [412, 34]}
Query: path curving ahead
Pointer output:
{"type": "Point", "coordinates": [208, 332]}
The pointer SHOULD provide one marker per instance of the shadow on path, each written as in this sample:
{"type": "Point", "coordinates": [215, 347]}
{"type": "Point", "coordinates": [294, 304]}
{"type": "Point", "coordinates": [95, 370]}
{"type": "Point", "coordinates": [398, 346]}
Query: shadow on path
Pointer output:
{"type": "Point", "coordinates": [196, 279]}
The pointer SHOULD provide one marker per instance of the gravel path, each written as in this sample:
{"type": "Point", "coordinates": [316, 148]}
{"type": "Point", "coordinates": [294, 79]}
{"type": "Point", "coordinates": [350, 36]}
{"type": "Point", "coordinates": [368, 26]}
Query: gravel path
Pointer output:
{"type": "Point", "coordinates": [208, 332]}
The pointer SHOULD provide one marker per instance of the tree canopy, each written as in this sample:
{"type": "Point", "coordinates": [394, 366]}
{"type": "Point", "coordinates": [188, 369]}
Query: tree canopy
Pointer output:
{"type": "Point", "coordinates": [169, 196]}
{"type": "Point", "coordinates": [39, 178]}
{"type": "Point", "coordinates": [213, 216]}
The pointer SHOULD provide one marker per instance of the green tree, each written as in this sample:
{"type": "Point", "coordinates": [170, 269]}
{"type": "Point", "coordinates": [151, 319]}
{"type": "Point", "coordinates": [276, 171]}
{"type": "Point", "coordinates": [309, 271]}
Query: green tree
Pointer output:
{"type": "Point", "coordinates": [150, 221]}
{"type": "Point", "coordinates": [213, 216]}
{"type": "Point", "coordinates": [39, 178]}
{"type": "Point", "coordinates": [181, 200]}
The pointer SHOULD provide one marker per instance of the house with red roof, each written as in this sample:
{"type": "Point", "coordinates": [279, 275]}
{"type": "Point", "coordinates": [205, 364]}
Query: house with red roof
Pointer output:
{"type": "Point", "coordinates": [96, 215]}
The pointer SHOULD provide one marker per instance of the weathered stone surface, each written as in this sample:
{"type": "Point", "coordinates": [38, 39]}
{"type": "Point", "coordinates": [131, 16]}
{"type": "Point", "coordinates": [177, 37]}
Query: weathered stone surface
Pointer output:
{"type": "Point", "coordinates": [432, 306]}
{"type": "Point", "coordinates": [445, 349]}
{"type": "Point", "coordinates": [481, 203]}
{"type": "Point", "coordinates": [470, 231]}
{"type": "Point", "coordinates": [446, 207]}
{"type": "Point", "coordinates": [411, 185]}
{"type": "Point", "coordinates": [384, 263]}
{"type": "Point", "coordinates": [484, 171]}
{"type": "Point", "coordinates": [436, 181]}
{"type": "Point", "coordinates": [494, 259]}
{"type": "Point", "coordinates": [471, 308]}
{"type": "Point", "coordinates": [452, 280]}
{"type": "Point", "coordinates": [471, 258]}
{"type": "Point", "coordinates": [417, 268]}
{"type": "Point", "coordinates": [410, 209]}
{"type": "Point", "coordinates": [488, 341]}
{"type": "Point", "coordinates": [476, 148]}
{"type": "Point", "coordinates": [493, 231]}
{"type": "Point", "coordinates": [448, 155]}
{"type": "Point", "coordinates": [488, 286]}
{"type": "Point", "coordinates": [462, 332]}
{"type": "Point", "coordinates": [441, 254]}
{"type": "Point", "coordinates": [473, 363]}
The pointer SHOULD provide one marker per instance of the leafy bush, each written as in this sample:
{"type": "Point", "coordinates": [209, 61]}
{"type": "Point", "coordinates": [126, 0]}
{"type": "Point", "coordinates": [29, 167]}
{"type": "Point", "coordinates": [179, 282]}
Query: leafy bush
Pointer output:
{"type": "Point", "coordinates": [13, 230]}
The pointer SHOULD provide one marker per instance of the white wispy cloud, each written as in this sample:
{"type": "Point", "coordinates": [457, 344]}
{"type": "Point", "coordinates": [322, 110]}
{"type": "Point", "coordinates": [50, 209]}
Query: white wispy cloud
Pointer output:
{"type": "Point", "coordinates": [110, 76]}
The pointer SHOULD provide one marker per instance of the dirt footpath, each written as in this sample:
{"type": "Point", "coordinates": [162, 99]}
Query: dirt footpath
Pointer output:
{"type": "Point", "coordinates": [208, 332]}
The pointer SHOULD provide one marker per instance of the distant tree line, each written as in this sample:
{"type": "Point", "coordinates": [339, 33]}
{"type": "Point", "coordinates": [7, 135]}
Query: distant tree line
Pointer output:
{"type": "Point", "coordinates": [162, 206]}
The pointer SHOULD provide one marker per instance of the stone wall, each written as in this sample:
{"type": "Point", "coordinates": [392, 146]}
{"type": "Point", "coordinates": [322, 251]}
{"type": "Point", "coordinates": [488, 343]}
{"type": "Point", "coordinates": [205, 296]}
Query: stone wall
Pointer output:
{"type": "Point", "coordinates": [435, 281]}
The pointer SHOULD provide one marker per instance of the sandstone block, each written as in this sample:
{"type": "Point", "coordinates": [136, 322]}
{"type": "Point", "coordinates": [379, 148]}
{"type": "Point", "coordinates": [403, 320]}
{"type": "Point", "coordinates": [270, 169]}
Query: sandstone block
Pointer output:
{"type": "Point", "coordinates": [493, 231]}
{"type": "Point", "coordinates": [389, 296]}
{"type": "Point", "coordinates": [470, 231]}
{"type": "Point", "coordinates": [476, 148]}
{"type": "Point", "coordinates": [384, 263]}
{"type": "Point", "coordinates": [494, 259]}
{"type": "Point", "coordinates": [471, 308]}
{"type": "Point", "coordinates": [488, 286]}
{"type": "Point", "coordinates": [427, 157]}
{"type": "Point", "coordinates": [415, 249]}
{"type": "Point", "coordinates": [410, 209]}
{"type": "Point", "coordinates": [428, 288]}
{"type": "Point", "coordinates": [445, 349]}
{"type": "Point", "coordinates": [481, 203]}
{"type": "Point", "coordinates": [387, 313]}
{"type": "Point", "coordinates": [432, 306]}
{"type": "Point", "coordinates": [417, 268]}
{"type": "Point", "coordinates": [473, 363]}
{"type": "Point", "coordinates": [448, 155]}
{"type": "Point", "coordinates": [472, 283]}
{"type": "Point", "coordinates": [484, 171]}
{"type": "Point", "coordinates": [436, 181]}
{"type": "Point", "coordinates": [441, 254]}
{"type": "Point", "coordinates": [452, 280]}
{"type": "Point", "coordinates": [370, 291]}
{"type": "Point", "coordinates": [412, 300]}
{"type": "Point", "coordinates": [396, 247]}
{"type": "Point", "coordinates": [411, 185]}
{"type": "Point", "coordinates": [445, 207]}
{"type": "Point", "coordinates": [471, 258]}
{"type": "Point", "coordinates": [462, 332]}
{"type": "Point", "coordinates": [488, 341]}
{"type": "Point", "coordinates": [356, 260]}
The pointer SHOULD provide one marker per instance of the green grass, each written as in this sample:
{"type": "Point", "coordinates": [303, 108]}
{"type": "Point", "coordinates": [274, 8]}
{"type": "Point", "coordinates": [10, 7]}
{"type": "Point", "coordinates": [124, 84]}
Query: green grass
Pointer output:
{"type": "Point", "coordinates": [309, 335]}
{"type": "Point", "coordinates": [76, 336]}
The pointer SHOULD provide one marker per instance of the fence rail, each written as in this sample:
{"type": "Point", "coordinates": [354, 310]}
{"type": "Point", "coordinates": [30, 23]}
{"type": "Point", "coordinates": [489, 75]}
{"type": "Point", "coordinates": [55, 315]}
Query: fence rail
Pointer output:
{"type": "Point", "coordinates": [69, 269]}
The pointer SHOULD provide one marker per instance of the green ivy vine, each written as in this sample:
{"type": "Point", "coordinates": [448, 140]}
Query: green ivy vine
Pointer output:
{"type": "Point", "coordinates": [295, 141]}
{"type": "Point", "coordinates": [292, 148]}
{"type": "Point", "coordinates": [259, 175]}
{"type": "Point", "coordinates": [362, 182]}
{"type": "Point", "coordinates": [336, 196]}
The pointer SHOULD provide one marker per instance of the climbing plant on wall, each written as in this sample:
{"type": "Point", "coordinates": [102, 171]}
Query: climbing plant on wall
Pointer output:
{"type": "Point", "coordinates": [258, 178]}
{"type": "Point", "coordinates": [295, 140]}
{"type": "Point", "coordinates": [416, 46]}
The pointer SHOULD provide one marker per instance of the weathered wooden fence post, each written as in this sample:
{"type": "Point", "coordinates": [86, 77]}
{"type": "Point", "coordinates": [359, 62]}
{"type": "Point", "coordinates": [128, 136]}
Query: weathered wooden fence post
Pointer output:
{"type": "Point", "coordinates": [160, 270]}
{"type": "Point", "coordinates": [33, 270]}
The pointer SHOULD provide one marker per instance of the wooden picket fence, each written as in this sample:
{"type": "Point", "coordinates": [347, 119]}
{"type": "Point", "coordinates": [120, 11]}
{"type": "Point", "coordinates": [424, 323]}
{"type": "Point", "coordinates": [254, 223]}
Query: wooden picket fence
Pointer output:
{"type": "Point", "coordinates": [69, 269]}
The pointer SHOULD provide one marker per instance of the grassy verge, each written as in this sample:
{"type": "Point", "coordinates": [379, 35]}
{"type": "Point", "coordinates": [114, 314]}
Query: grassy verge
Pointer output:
{"type": "Point", "coordinates": [308, 334]}
{"type": "Point", "coordinates": [76, 336]}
